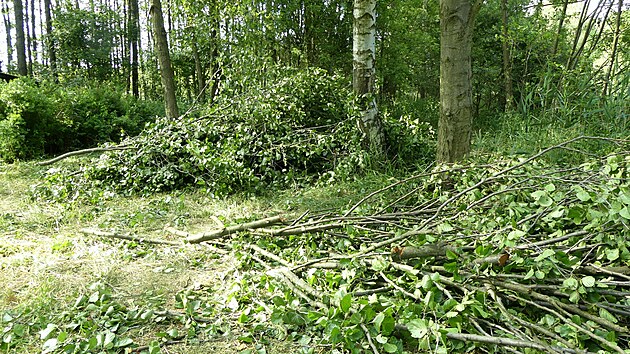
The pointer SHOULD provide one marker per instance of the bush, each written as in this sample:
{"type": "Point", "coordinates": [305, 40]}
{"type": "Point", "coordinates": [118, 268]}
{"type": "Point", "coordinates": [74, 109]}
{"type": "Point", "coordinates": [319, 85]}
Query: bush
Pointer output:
{"type": "Point", "coordinates": [301, 126]}
{"type": "Point", "coordinates": [37, 120]}
{"type": "Point", "coordinates": [412, 142]}
{"type": "Point", "coordinates": [101, 114]}
{"type": "Point", "coordinates": [27, 122]}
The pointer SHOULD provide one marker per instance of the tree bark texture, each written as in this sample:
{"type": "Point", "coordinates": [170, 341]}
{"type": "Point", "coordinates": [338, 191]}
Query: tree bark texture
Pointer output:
{"type": "Point", "coordinates": [455, 123]}
{"type": "Point", "coordinates": [615, 45]}
{"type": "Point", "coordinates": [199, 70]}
{"type": "Point", "coordinates": [19, 36]}
{"type": "Point", "coordinates": [507, 58]}
{"type": "Point", "coordinates": [563, 15]}
{"type": "Point", "coordinates": [364, 54]}
{"type": "Point", "coordinates": [164, 58]}
{"type": "Point", "coordinates": [7, 25]}
{"type": "Point", "coordinates": [50, 45]}
{"type": "Point", "coordinates": [134, 38]}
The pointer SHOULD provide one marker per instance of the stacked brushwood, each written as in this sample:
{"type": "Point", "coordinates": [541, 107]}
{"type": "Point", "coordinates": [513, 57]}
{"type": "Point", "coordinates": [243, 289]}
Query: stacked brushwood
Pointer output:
{"type": "Point", "coordinates": [506, 255]}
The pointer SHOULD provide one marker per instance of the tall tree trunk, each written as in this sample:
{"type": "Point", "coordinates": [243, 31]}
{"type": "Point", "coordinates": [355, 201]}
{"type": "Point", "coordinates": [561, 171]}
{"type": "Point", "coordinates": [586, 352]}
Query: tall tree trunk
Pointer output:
{"type": "Point", "coordinates": [19, 36]}
{"type": "Point", "coordinates": [134, 38]}
{"type": "Point", "coordinates": [199, 70]}
{"type": "Point", "coordinates": [364, 54]}
{"type": "Point", "coordinates": [507, 66]}
{"type": "Point", "coordinates": [164, 58]}
{"type": "Point", "coordinates": [455, 124]}
{"type": "Point", "coordinates": [29, 42]}
{"type": "Point", "coordinates": [33, 32]}
{"type": "Point", "coordinates": [216, 68]}
{"type": "Point", "coordinates": [50, 45]}
{"type": "Point", "coordinates": [613, 55]}
{"type": "Point", "coordinates": [7, 27]}
{"type": "Point", "coordinates": [310, 8]}
{"type": "Point", "coordinates": [592, 19]}
{"type": "Point", "coordinates": [558, 34]}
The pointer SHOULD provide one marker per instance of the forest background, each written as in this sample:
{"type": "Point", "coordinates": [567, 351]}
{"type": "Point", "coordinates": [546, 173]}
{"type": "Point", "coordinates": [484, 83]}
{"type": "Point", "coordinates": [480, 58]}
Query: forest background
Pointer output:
{"type": "Point", "coordinates": [251, 169]}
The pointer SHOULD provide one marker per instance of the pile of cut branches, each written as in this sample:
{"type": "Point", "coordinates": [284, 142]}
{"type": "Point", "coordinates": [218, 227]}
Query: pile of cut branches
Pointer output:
{"type": "Point", "coordinates": [508, 256]}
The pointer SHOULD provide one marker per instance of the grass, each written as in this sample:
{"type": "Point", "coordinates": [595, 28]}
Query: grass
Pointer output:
{"type": "Point", "coordinates": [47, 263]}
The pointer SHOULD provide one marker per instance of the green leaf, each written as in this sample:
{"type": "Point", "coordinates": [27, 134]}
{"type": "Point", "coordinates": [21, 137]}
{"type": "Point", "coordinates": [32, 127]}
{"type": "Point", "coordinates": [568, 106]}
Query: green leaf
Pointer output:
{"type": "Point", "coordinates": [603, 313]}
{"type": "Point", "coordinates": [444, 227]}
{"type": "Point", "coordinates": [390, 348]}
{"type": "Point", "coordinates": [46, 332]}
{"type": "Point", "coordinates": [381, 339]}
{"type": "Point", "coordinates": [388, 325]}
{"type": "Point", "coordinates": [557, 213]}
{"type": "Point", "coordinates": [345, 303]}
{"type": "Point", "coordinates": [570, 283]}
{"type": "Point", "coordinates": [544, 255]}
{"type": "Point", "coordinates": [529, 274]}
{"type": "Point", "coordinates": [625, 213]}
{"type": "Point", "coordinates": [612, 254]}
{"type": "Point", "coordinates": [583, 195]}
{"type": "Point", "coordinates": [378, 319]}
{"type": "Point", "coordinates": [544, 201]}
{"type": "Point", "coordinates": [574, 297]}
{"type": "Point", "coordinates": [516, 234]}
{"type": "Point", "coordinates": [379, 264]}
{"type": "Point", "coordinates": [588, 281]}
{"type": "Point", "coordinates": [418, 328]}
{"type": "Point", "coordinates": [450, 254]}
{"type": "Point", "coordinates": [50, 345]}
{"type": "Point", "coordinates": [123, 342]}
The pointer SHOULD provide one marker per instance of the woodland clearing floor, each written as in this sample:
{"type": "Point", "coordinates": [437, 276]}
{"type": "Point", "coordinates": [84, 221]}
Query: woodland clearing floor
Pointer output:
{"type": "Point", "coordinates": [46, 263]}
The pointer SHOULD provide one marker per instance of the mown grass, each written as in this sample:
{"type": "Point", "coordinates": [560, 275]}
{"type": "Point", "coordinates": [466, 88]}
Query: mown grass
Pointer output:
{"type": "Point", "coordinates": [47, 263]}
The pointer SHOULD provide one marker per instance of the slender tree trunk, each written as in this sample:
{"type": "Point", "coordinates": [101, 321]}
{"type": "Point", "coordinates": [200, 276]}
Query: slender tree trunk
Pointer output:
{"type": "Point", "coordinates": [310, 8]}
{"type": "Point", "coordinates": [29, 42]}
{"type": "Point", "coordinates": [164, 58]}
{"type": "Point", "coordinates": [613, 55]}
{"type": "Point", "coordinates": [134, 38]}
{"type": "Point", "coordinates": [50, 45]}
{"type": "Point", "coordinates": [455, 124]}
{"type": "Point", "coordinates": [507, 66]}
{"type": "Point", "coordinates": [199, 70]}
{"type": "Point", "coordinates": [19, 35]}
{"type": "Point", "coordinates": [364, 54]}
{"type": "Point", "coordinates": [558, 34]}
{"type": "Point", "coordinates": [594, 17]}
{"type": "Point", "coordinates": [7, 27]}
{"type": "Point", "coordinates": [216, 69]}
{"type": "Point", "coordinates": [33, 31]}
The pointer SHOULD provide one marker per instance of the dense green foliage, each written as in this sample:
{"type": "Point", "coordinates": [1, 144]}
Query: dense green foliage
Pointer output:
{"type": "Point", "coordinates": [555, 224]}
{"type": "Point", "coordinates": [38, 120]}
{"type": "Point", "coordinates": [267, 83]}
{"type": "Point", "coordinates": [298, 128]}
{"type": "Point", "coordinates": [452, 291]}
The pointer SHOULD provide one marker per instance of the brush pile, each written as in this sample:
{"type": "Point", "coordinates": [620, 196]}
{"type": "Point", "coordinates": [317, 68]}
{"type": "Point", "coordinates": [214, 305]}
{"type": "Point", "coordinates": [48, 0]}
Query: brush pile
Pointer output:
{"type": "Point", "coordinates": [499, 257]}
{"type": "Point", "coordinates": [502, 256]}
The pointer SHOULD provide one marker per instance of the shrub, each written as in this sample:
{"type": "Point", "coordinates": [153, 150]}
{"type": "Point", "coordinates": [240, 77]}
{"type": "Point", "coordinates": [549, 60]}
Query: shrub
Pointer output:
{"type": "Point", "coordinates": [101, 114]}
{"type": "Point", "coordinates": [27, 123]}
{"type": "Point", "coordinates": [44, 119]}
{"type": "Point", "coordinates": [302, 125]}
